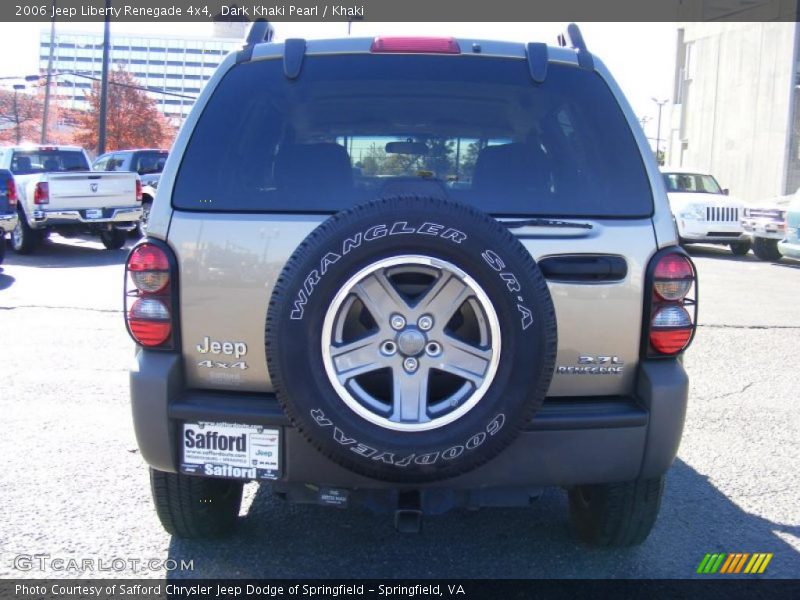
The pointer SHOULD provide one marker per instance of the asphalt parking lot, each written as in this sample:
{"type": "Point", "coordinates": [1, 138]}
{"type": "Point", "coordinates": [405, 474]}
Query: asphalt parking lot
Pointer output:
{"type": "Point", "coordinates": [74, 486]}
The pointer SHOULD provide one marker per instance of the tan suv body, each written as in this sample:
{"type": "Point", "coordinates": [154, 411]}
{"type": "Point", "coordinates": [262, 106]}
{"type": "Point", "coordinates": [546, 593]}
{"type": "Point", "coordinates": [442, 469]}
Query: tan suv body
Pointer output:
{"type": "Point", "coordinates": [227, 248]}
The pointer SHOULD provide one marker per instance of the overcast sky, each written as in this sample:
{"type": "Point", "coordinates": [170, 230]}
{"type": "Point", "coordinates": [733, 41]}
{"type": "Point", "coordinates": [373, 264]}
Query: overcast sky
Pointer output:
{"type": "Point", "coordinates": [641, 56]}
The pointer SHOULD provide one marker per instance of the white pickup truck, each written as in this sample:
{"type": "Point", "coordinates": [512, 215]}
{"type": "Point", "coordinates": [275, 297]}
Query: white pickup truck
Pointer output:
{"type": "Point", "coordinates": [58, 192]}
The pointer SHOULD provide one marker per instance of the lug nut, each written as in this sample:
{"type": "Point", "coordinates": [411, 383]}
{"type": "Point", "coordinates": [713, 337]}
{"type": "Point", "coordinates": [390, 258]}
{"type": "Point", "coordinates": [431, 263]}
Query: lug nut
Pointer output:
{"type": "Point", "coordinates": [388, 347]}
{"type": "Point", "coordinates": [397, 322]}
{"type": "Point", "coordinates": [425, 322]}
{"type": "Point", "coordinates": [433, 349]}
{"type": "Point", "coordinates": [410, 364]}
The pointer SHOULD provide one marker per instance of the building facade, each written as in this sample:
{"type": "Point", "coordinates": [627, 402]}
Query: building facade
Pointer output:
{"type": "Point", "coordinates": [174, 68]}
{"type": "Point", "coordinates": [735, 110]}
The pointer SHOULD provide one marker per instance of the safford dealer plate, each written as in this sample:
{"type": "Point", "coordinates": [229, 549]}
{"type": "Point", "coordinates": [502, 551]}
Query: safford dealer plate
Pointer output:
{"type": "Point", "coordinates": [230, 450]}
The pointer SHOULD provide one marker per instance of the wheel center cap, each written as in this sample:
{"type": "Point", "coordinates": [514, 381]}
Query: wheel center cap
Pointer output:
{"type": "Point", "coordinates": [411, 342]}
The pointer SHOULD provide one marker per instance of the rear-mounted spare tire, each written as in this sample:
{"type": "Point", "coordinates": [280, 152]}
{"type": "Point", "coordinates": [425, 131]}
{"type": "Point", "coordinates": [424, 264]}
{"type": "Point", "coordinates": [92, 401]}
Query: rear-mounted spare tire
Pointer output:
{"type": "Point", "coordinates": [411, 339]}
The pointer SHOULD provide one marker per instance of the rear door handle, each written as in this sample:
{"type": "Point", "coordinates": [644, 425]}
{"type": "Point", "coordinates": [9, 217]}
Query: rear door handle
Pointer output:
{"type": "Point", "coordinates": [584, 268]}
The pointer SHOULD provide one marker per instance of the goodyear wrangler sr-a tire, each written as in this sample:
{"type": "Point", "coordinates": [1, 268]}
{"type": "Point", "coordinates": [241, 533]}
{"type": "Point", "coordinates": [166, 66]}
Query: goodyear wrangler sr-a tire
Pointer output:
{"type": "Point", "coordinates": [411, 339]}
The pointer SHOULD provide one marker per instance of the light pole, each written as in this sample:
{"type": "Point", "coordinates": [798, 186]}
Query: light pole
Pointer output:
{"type": "Point", "coordinates": [350, 23]}
{"type": "Point", "coordinates": [660, 104]}
{"type": "Point", "coordinates": [101, 134]}
{"type": "Point", "coordinates": [46, 110]}
{"type": "Point", "coordinates": [17, 88]}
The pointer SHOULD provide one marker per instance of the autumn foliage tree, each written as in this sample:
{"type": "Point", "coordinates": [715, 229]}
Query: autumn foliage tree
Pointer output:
{"type": "Point", "coordinates": [133, 120]}
{"type": "Point", "coordinates": [21, 121]}
{"type": "Point", "coordinates": [20, 115]}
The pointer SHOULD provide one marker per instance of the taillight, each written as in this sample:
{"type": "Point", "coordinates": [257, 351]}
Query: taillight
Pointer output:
{"type": "Point", "coordinates": [671, 314]}
{"type": "Point", "coordinates": [138, 190]}
{"type": "Point", "coordinates": [670, 329]}
{"type": "Point", "coordinates": [427, 45]}
{"type": "Point", "coordinates": [41, 193]}
{"type": "Point", "coordinates": [673, 277]}
{"type": "Point", "coordinates": [151, 296]}
{"type": "Point", "coordinates": [11, 191]}
{"type": "Point", "coordinates": [148, 267]}
{"type": "Point", "coordinates": [150, 321]}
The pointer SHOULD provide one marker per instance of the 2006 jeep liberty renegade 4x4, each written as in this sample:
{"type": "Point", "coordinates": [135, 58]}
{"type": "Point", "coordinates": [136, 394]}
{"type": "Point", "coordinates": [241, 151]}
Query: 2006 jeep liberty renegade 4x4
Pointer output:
{"type": "Point", "coordinates": [414, 274]}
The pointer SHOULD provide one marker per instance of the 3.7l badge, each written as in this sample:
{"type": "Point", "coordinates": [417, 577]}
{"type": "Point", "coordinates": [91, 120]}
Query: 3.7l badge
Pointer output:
{"type": "Point", "coordinates": [593, 365]}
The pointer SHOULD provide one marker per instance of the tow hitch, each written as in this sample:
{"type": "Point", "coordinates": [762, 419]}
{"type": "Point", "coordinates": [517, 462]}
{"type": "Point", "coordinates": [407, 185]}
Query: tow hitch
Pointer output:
{"type": "Point", "coordinates": [408, 516]}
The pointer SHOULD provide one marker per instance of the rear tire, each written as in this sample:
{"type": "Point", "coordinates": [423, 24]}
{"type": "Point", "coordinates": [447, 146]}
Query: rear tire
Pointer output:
{"type": "Point", "coordinates": [615, 514]}
{"type": "Point", "coordinates": [2, 246]}
{"type": "Point", "coordinates": [194, 507]}
{"type": "Point", "coordinates": [113, 239]}
{"type": "Point", "coordinates": [741, 248]}
{"type": "Point", "coordinates": [766, 249]}
{"type": "Point", "coordinates": [24, 239]}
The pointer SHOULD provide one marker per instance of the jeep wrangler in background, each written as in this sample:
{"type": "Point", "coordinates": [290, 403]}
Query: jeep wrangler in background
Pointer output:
{"type": "Point", "coordinates": [57, 192]}
{"type": "Point", "coordinates": [703, 211]}
{"type": "Point", "coordinates": [323, 312]}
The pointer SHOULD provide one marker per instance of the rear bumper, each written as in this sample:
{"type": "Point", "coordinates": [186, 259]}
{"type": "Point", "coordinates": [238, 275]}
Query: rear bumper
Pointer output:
{"type": "Point", "coordinates": [8, 221]}
{"type": "Point", "coordinates": [47, 218]}
{"type": "Point", "coordinates": [570, 441]}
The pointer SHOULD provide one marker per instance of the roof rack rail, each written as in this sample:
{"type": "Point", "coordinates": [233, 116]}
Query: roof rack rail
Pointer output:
{"type": "Point", "coordinates": [574, 36]}
{"type": "Point", "coordinates": [260, 31]}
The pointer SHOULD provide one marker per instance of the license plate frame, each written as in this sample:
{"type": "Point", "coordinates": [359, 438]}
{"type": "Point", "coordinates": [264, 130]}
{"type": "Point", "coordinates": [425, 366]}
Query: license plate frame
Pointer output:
{"type": "Point", "coordinates": [231, 450]}
{"type": "Point", "coordinates": [94, 213]}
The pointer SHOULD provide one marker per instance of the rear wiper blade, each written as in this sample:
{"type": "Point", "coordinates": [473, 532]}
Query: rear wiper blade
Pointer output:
{"type": "Point", "coordinates": [545, 223]}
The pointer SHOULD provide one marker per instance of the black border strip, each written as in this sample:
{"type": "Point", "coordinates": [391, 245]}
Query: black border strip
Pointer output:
{"type": "Point", "coordinates": [443, 11]}
{"type": "Point", "coordinates": [707, 587]}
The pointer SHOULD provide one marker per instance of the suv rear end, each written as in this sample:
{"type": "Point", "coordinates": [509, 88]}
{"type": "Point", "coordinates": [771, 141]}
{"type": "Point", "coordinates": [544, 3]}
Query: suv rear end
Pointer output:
{"type": "Point", "coordinates": [424, 137]}
{"type": "Point", "coordinates": [8, 208]}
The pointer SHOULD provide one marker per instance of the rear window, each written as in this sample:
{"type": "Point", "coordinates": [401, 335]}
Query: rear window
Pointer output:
{"type": "Point", "coordinates": [48, 161]}
{"type": "Point", "coordinates": [149, 162]}
{"type": "Point", "coordinates": [354, 127]}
